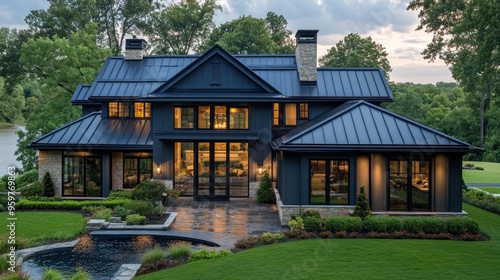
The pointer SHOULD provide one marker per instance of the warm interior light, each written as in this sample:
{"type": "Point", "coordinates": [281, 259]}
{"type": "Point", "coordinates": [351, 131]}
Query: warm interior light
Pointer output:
{"type": "Point", "coordinates": [260, 170]}
{"type": "Point", "coordinates": [234, 110]}
{"type": "Point", "coordinates": [158, 170]}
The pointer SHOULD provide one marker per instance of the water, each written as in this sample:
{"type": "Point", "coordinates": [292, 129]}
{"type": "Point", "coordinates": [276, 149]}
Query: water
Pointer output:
{"type": "Point", "coordinates": [8, 141]}
{"type": "Point", "coordinates": [98, 255]}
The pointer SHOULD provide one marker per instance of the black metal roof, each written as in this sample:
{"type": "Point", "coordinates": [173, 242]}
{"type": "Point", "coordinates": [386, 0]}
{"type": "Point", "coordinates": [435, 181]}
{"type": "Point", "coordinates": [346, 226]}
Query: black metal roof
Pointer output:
{"type": "Point", "coordinates": [122, 79]}
{"type": "Point", "coordinates": [92, 131]}
{"type": "Point", "coordinates": [359, 125]}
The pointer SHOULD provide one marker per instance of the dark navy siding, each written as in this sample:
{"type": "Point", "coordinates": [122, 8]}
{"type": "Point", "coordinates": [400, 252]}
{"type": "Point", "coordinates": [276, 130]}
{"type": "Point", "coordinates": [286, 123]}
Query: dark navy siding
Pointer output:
{"type": "Point", "coordinates": [455, 183]}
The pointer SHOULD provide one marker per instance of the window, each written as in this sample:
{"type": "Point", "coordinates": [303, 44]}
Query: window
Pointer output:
{"type": "Point", "coordinates": [204, 117]}
{"type": "Point", "coordinates": [123, 109]}
{"type": "Point", "coordinates": [329, 181]}
{"type": "Point", "coordinates": [220, 117]}
{"type": "Point", "coordinates": [184, 167]}
{"type": "Point", "coordinates": [184, 117]}
{"type": "Point", "coordinates": [403, 175]}
{"type": "Point", "coordinates": [238, 118]}
{"type": "Point", "coordinates": [291, 114]}
{"type": "Point", "coordinates": [304, 110]}
{"type": "Point", "coordinates": [137, 167]}
{"type": "Point", "coordinates": [113, 109]}
{"type": "Point", "coordinates": [142, 110]}
{"type": "Point", "coordinates": [82, 174]}
{"type": "Point", "coordinates": [276, 114]}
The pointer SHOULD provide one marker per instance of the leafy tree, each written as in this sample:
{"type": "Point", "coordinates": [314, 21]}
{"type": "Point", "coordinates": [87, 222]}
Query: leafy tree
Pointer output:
{"type": "Point", "coordinates": [180, 27]}
{"type": "Point", "coordinates": [11, 41]}
{"type": "Point", "coordinates": [355, 51]}
{"type": "Point", "coordinates": [11, 103]}
{"type": "Point", "coordinates": [48, 186]}
{"type": "Point", "coordinates": [280, 35]}
{"type": "Point", "coordinates": [465, 36]}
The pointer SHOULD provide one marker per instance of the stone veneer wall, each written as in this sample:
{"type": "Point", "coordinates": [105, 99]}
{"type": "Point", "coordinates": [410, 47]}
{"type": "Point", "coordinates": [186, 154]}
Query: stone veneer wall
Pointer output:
{"type": "Point", "coordinates": [51, 161]}
{"type": "Point", "coordinates": [135, 54]}
{"type": "Point", "coordinates": [306, 62]}
{"type": "Point", "coordinates": [117, 171]}
{"type": "Point", "coordinates": [403, 215]}
{"type": "Point", "coordinates": [252, 189]}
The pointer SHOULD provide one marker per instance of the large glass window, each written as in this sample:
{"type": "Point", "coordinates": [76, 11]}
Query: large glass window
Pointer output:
{"type": "Point", "coordinates": [142, 110]}
{"type": "Point", "coordinates": [184, 117]}
{"type": "Point", "coordinates": [82, 174]}
{"type": "Point", "coordinates": [123, 109]}
{"type": "Point", "coordinates": [238, 118]}
{"type": "Point", "coordinates": [220, 117]}
{"type": "Point", "coordinates": [137, 167]}
{"type": "Point", "coordinates": [238, 169]}
{"type": "Point", "coordinates": [113, 109]}
{"type": "Point", "coordinates": [184, 167]}
{"type": "Point", "coordinates": [276, 114]}
{"type": "Point", "coordinates": [329, 181]}
{"type": "Point", "coordinates": [291, 114]}
{"type": "Point", "coordinates": [204, 117]}
{"type": "Point", "coordinates": [404, 174]}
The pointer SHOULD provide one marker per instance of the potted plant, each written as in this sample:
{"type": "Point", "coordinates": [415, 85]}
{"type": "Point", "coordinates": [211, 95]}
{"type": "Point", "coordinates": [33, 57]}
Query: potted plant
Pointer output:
{"type": "Point", "coordinates": [172, 194]}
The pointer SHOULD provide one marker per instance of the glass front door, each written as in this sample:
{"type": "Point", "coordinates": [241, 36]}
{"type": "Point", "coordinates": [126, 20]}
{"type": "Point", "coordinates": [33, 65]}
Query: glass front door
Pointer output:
{"type": "Point", "coordinates": [212, 170]}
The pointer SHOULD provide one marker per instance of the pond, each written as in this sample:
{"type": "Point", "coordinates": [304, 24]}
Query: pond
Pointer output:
{"type": "Point", "coordinates": [101, 256]}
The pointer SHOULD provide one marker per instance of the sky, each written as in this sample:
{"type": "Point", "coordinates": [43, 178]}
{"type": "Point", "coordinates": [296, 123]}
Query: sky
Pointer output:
{"type": "Point", "coordinates": [386, 21]}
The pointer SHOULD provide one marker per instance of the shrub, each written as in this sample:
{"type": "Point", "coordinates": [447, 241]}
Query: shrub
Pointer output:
{"type": "Point", "coordinates": [398, 234]}
{"type": "Point", "coordinates": [294, 233]}
{"type": "Point", "coordinates": [420, 235]}
{"type": "Point", "coordinates": [52, 274]}
{"type": "Point", "coordinates": [80, 274]}
{"type": "Point", "coordinates": [120, 194]}
{"type": "Point", "coordinates": [92, 209]}
{"type": "Point", "coordinates": [456, 225]}
{"type": "Point", "coordinates": [306, 235]}
{"type": "Point", "coordinates": [247, 243]}
{"type": "Point", "coordinates": [204, 254]}
{"type": "Point", "coordinates": [4, 263]}
{"type": "Point", "coordinates": [354, 235]}
{"type": "Point", "coordinates": [148, 190]}
{"type": "Point", "coordinates": [179, 250]}
{"type": "Point", "coordinates": [18, 275]}
{"type": "Point", "coordinates": [67, 205]}
{"type": "Point", "coordinates": [33, 190]}
{"type": "Point", "coordinates": [26, 178]}
{"type": "Point", "coordinates": [48, 186]}
{"type": "Point", "coordinates": [312, 224]}
{"type": "Point", "coordinates": [142, 207]}
{"type": "Point", "coordinates": [362, 208]}
{"type": "Point", "coordinates": [135, 220]}
{"type": "Point", "coordinates": [158, 210]}
{"type": "Point", "coordinates": [160, 265]}
{"type": "Point", "coordinates": [377, 224]}
{"type": "Point", "coordinates": [326, 234]}
{"type": "Point", "coordinates": [341, 234]}
{"type": "Point", "coordinates": [394, 224]}
{"type": "Point", "coordinates": [335, 224]}
{"type": "Point", "coordinates": [21, 243]}
{"type": "Point", "coordinates": [311, 213]}
{"type": "Point", "coordinates": [471, 226]}
{"type": "Point", "coordinates": [442, 236]}
{"type": "Point", "coordinates": [413, 225]}
{"type": "Point", "coordinates": [103, 214]}
{"type": "Point", "coordinates": [45, 199]}
{"type": "Point", "coordinates": [265, 192]}
{"type": "Point", "coordinates": [354, 224]}
{"type": "Point", "coordinates": [482, 200]}
{"type": "Point", "coordinates": [121, 211]}
{"type": "Point", "coordinates": [152, 255]}
{"type": "Point", "coordinates": [470, 237]}
{"type": "Point", "coordinates": [434, 225]}
{"type": "Point", "coordinates": [297, 223]}
{"type": "Point", "coordinates": [268, 238]}
{"type": "Point", "coordinates": [479, 168]}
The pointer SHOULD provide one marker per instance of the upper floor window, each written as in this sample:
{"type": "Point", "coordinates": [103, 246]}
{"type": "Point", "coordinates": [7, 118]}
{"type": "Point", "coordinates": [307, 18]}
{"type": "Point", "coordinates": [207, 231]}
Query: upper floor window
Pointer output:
{"type": "Point", "coordinates": [142, 110]}
{"type": "Point", "coordinates": [119, 109]}
{"type": "Point", "coordinates": [291, 114]}
{"type": "Point", "coordinates": [303, 110]}
{"type": "Point", "coordinates": [276, 114]}
{"type": "Point", "coordinates": [211, 117]}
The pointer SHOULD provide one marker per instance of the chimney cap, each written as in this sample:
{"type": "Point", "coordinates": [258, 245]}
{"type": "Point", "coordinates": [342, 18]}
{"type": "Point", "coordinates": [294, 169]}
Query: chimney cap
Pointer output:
{"type": "Point", "coordinates": [307, 35]}
{"type": "Point", "coordinates": [135, 43]}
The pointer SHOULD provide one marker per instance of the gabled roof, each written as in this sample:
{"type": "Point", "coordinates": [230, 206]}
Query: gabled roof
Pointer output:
{"type": "Point", "coordinates": [359, 125]}
{"type": "Point", "coordinates": [92, 131]}
{"type": "Point", "coordinates": [216, 51]}
{"type": "Point", "coordinates": [81, 93]}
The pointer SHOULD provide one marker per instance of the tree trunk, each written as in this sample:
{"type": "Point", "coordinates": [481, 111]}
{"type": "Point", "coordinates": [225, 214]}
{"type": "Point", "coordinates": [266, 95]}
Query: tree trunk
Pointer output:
{"type": "Point", "coordinates": [481, 118]}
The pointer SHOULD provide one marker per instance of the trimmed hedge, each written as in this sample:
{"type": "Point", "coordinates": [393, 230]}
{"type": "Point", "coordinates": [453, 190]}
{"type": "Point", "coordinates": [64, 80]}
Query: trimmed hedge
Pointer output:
{"type": "Point", "coordinates": [482, 200]}
{"type": "Point", "coordinates": [312, 223]}
{"type": "Point", "coordinates": [395, 224]}
{"type": "Point", "coordinates": [68, 205]}
{"type": "Point", "coordinates": [413, 225]}
{"type": "Point", "coordinates": [376, 224]}
{"type": "Point", "coordinates": [434, 226]}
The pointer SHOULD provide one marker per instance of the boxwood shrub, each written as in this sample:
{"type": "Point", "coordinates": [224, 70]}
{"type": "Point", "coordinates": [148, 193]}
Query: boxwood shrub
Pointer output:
{"type": "Point", "coordinates": [135, 220]}
{"type": "Point", "coordinates": [354, 224]}
{"type": "Point", "coordinates": [142, 207]}
{"type": "Point", "coordinates": [471, 226]}
{"type": "Point", "coordinates": [335, 224]}
{"type": "Point", "coordinates": [462, 226]}
{"type": "Point", "coordinates": [434, 225]}
{"type": "Point", "coordinates": [394, 224]}
{"type": "Point", "coordinates": [148, 190]}
{"type": "Point", "coordinates": [68, 205]}
{"type": "Point", "coordinates": [377, 224]}
{"type": "Point", "coordinates": [312, 223]}
{"type": "Point", "coordinates": [413, 225]}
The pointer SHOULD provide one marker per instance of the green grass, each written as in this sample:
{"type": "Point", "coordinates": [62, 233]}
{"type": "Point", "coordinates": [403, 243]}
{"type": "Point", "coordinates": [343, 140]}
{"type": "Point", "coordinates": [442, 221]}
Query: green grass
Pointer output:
{"type": "Point", "coordinates": [357, 259]}
{"type": "Point", "coordinates": [39, 225]}
{"type": "Point", "coordinates": [494, 190]}
{"type": "Point", "coordinates": [490, 174]}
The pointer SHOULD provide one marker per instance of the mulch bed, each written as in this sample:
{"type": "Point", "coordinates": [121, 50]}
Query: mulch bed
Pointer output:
{"type": "Point", "coordinates": [162, 264]}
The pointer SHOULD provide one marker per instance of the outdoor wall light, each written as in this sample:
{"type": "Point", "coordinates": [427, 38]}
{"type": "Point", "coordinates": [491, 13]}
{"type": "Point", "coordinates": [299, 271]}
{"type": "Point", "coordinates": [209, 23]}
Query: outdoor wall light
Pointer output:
{"type": "Point", "coordinates": [158, 169]}
{"type": "Point", "coordinates": [260, 168]}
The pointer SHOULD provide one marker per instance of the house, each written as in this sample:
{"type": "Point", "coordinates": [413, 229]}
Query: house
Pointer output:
{"type": "Point", "coordinates": [211, 125]}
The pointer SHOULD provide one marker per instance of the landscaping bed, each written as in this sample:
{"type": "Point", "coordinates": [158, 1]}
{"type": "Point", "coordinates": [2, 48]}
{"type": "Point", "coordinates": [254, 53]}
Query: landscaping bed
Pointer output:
{"type": "Point", "coordinates": [482, 200]}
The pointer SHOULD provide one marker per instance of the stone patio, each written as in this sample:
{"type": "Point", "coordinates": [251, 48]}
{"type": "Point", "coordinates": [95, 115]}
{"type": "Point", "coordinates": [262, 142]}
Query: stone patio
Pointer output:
{"type": "Point", "coordinates": [240, 217]}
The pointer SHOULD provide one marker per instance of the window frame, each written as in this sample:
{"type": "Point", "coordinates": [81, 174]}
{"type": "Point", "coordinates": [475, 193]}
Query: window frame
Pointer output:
{"type": "Point", "coordinates": [138, 167]}
{"type": "Point", "coordinates": [409, 173]}
{"type": "Point", "coordinates": [327, 179]}
{"type": "Point", "coordinates": [146, 111]}
{"type": "Point", "coordinates": [84, 157]}
{"type": "Point", "coordinates": [306, 117]}
{"type": "Point", "coordinates": [212, 117]}
{"type": "Point", "coordinates": [195, 122]}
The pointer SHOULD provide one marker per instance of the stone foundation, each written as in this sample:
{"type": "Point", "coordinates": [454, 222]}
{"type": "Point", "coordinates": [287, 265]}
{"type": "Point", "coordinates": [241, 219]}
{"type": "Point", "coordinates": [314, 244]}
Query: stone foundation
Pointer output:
{"type": "Point", "coordinates": [117, 171]}
{"type": "Point", "coordinates": [51, 161]}
{"type": "Point", "coordinates": [403, 215]}
{"type": "Point", "coordinates": [252, 189]}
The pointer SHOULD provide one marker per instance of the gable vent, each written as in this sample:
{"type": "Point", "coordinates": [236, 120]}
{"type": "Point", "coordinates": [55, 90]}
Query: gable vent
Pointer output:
{"type": "Point", "coordinates": [215, 71]}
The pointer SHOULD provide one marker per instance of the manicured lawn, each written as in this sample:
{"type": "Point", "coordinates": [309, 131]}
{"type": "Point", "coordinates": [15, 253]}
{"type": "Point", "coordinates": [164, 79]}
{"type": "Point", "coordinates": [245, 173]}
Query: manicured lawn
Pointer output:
{"type": "Point", "coordinates": [490, 189]}
{"type": "Point", "coordinates": [357, 259]}
{"type": "Point", "coordinates": [490, 174]}
{"type": "Point", "coordinates": [58, 225]}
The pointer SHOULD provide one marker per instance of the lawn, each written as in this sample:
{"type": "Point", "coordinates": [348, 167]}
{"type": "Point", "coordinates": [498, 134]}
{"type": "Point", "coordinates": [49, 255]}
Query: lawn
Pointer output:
{"type": "Point", "coordinates": [58, 225]}
{"type": "Point", "coordinates": [490, 174]}
{"type": "Point", "coordinates": [490, 189]}
{"type": "Point", "coordinates": [357, 259]}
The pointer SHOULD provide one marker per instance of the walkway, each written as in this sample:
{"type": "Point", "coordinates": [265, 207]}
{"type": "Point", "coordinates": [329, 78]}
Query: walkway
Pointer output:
{"type": "Point", "coordinates": [241, 217]}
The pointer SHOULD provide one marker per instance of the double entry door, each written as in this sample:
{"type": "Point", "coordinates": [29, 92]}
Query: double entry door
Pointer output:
{"type": "Point", "coordinates": [212, 171]}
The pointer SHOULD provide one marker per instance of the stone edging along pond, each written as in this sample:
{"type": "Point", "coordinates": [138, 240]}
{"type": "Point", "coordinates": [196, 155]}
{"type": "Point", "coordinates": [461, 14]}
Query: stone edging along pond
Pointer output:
{"type": "Point", "coordinates": [103, 225]}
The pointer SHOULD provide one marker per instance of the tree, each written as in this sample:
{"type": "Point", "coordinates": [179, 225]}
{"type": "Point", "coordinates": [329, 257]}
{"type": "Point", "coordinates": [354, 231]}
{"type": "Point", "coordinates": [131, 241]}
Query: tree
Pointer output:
{"type": "Point", "coordinates": [11, 103]}
{"type": "Point", "coordinates": [265, 192]}
{"type": "Point", "coordinates": [466, 35]}
{"type": "Point", "coordinates": [250, 35]}
{"type": "Point", "coordinates": [114, 19]}
{"type": "Point", "coordinates": [355, 51]}
{"type": "Point", "coordinates": [11, 41]}
{"type": "Point", "coordinates": [362, 208]}
{"type": "Point", "coordinates": [180, 27]}
{"type": "Point", "coordinates": [48, 186]}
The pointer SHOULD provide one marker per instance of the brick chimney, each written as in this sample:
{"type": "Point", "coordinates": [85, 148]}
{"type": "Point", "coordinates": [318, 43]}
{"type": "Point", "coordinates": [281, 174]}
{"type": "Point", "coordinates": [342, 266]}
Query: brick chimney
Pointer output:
{"type": "Point", "coordinates": [306, 55]}
{"type": "Point", "coordinates": [135, 49]}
